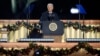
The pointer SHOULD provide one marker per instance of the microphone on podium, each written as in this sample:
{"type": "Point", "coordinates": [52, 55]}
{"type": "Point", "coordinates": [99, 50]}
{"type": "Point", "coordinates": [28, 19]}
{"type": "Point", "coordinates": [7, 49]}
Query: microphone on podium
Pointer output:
{"type": "Point", "coordinates": [51, 16]}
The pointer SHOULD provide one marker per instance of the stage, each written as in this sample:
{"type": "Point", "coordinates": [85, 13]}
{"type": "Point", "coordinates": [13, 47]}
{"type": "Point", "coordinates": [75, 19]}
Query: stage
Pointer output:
{"type": "Point", "coordinates": [52, 45]}
{"type": "Point", "coordinates": [59, 41]}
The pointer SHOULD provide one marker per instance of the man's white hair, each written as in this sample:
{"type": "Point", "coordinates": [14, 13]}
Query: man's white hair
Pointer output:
{"type": "Point", "coordinates": [49, 4]}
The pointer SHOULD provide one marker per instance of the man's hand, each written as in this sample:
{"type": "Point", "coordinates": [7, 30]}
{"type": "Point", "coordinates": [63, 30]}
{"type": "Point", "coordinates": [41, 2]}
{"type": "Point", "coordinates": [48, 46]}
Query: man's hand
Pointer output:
{"type": "Point", "coordinates": [40, 31]}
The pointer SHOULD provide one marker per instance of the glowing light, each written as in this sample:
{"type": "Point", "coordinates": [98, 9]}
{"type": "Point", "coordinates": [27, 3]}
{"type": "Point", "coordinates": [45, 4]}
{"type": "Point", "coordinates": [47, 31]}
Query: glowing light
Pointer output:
{"type": "Point", "coordinates": [74, 10]}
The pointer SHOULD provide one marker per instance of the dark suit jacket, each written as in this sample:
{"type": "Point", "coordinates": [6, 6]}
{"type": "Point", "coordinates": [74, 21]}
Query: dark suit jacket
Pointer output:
{"type": "Point", "coordinates": [46, 17]}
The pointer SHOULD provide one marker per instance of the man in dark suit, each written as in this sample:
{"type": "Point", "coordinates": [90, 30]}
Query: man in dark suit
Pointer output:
{"type": "Point", "coordinates": [49, 15]}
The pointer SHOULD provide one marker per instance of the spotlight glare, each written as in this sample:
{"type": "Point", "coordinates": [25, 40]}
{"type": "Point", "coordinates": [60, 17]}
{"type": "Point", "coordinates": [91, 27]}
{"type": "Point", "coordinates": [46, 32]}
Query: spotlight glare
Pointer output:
{"type": "Point", "coordinates": [74, 10]}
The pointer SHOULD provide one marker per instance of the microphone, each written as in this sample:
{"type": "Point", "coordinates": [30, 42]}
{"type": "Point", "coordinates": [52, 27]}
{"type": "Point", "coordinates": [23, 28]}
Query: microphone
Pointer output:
{"type": "Point", "coordinates": [51, 16]}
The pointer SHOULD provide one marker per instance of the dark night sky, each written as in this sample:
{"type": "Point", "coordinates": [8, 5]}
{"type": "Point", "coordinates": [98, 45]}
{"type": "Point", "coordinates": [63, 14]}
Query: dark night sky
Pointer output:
{"type": "Point", "coordinates": [62, 7]}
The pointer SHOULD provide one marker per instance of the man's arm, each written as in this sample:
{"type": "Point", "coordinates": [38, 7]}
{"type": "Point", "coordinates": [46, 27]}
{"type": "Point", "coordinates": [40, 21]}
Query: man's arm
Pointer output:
{"type": "Point", "coordinates": [42, 17]}
{"type": "Point", "coordinates": [56, 17]}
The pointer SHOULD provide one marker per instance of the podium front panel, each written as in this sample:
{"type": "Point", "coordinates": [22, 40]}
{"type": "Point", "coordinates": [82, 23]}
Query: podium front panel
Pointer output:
{"type": "Point", "coordinates": [52, 27]}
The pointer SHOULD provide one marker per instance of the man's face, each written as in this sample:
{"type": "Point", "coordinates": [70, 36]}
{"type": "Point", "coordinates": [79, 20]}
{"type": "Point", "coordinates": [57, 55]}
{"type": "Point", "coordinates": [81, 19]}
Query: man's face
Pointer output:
{"type": "Point", "coordinates": [50, 7]}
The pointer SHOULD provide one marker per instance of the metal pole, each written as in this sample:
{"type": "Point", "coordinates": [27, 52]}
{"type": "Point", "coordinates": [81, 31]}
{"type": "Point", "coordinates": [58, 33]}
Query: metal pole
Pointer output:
{"type": "Point", "coordinates": [83, 24]}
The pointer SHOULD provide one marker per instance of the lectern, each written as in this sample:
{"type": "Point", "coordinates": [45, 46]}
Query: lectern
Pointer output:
{"type": "Point", "coordinates": [53, 29]}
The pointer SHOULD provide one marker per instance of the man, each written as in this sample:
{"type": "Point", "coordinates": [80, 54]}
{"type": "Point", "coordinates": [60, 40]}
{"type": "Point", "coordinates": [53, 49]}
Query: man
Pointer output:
{"type": "Point", "coordinates": [49, 15]}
